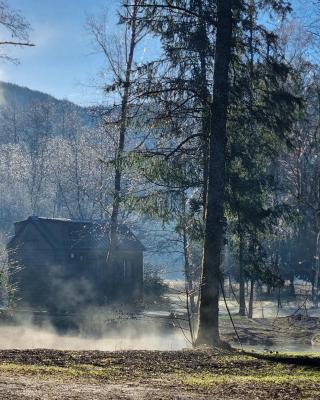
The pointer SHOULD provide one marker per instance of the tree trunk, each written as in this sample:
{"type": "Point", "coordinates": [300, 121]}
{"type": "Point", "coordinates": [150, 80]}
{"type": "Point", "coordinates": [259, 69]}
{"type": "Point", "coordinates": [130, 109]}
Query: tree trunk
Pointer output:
{"type": "Point", "coordinates": [187, 274]}
{"type": "Point", "coordinates": [250, 312]}
{"type": "Point", "coordinates": [312, 286]}
{"type": "Point", "coordinates": [268, 290]}
{"type": "Point", "coordinates": [242, 300]}
{"type": "Point", "coordinates": [292, 289]}
{"type": "Point", "coordinates": [316, 274]}
{"type": "Point", "coordinates": [205, 94]}
{"type": "Point", "coordinates": [122, 134]}
{"type": "Point", "coordinates": [279, 298]}
{"type": "Point", "coordinates": [208, 332]}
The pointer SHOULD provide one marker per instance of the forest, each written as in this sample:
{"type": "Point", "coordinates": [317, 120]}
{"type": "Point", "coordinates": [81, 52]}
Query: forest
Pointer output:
{"type": "Point", "coordinates": [208, 148]}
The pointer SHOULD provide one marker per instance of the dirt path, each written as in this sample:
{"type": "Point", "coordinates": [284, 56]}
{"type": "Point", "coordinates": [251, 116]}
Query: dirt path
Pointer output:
{"type": "Point", "coordinates": [27, 388]}
{"type": "Point", "coordinates": [36, 389]}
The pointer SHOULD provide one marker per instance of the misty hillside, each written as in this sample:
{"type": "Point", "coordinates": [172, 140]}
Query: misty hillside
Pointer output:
{"type": "Point", "coordinates": [46, 167]}
{"type": "Point", "coordinates": [22, 107]}
{"type": "Point", "coordinates": [12, 94]}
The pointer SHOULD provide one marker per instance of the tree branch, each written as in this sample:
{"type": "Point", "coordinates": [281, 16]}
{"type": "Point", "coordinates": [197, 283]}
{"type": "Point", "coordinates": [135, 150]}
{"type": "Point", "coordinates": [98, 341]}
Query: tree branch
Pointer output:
{"type": "Point", "coordinates": [182, 144]}
{"type": "Point", "coordinates": [17, 44]}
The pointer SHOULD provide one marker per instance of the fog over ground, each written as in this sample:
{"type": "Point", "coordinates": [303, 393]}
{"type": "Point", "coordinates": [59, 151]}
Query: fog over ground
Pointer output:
{"type": "Point", "coordinates": [153, 330]}
{"type": "Point", "coordinates": [28, 337]}
{"type": "Point", "coordinates": [94, 329]}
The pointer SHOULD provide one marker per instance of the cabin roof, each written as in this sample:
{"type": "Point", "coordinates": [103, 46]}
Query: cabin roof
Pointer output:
{"type": "Point", "coordinates": [77, 234]}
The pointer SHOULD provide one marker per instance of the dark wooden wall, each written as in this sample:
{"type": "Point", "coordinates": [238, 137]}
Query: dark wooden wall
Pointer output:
{"type": "Point", "coordinates": [50, 278]}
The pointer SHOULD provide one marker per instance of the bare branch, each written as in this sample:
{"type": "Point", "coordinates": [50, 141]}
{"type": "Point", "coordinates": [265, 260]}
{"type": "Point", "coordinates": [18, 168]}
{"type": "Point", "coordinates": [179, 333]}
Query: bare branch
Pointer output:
{"type": "Point", "coordinates": [16, 44]}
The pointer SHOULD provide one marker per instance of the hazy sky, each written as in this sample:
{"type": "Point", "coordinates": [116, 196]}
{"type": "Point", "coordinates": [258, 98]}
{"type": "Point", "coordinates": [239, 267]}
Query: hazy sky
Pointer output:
{"type": "Point", "coordinates": [62, 63]}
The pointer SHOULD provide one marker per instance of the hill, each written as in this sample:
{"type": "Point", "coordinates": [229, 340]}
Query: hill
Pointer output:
{"type": "Point", "coordinates": [22, 96]}
{"type": "Point", "coordinates": [23, 110]}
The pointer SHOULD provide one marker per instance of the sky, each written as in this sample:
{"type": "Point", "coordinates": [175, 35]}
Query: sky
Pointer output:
{"type": "Point", "coordinates": [63, 62]}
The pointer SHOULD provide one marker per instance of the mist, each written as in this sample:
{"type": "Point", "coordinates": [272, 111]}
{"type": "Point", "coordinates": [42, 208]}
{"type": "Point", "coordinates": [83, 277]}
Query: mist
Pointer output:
{"type": "Point", "coordinates": [31, 337]}
{"type": "Point", "coordinates": [95, 328]}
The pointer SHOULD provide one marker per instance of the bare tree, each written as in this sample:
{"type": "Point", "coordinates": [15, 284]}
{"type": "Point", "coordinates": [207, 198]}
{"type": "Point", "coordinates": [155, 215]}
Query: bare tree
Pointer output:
{"type": "Point", "coordinates": [16, 27]}
{"type": "Point", "coordinates": [119, 53]}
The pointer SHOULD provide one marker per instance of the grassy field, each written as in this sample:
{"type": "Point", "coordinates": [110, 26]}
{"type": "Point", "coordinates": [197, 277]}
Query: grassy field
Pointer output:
{"type": "Point", "coordinates": [201, 374]}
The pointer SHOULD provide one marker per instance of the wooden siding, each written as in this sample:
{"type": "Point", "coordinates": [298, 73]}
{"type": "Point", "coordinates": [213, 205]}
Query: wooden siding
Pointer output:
{"type": "Point", "coordinates": [62, 279]}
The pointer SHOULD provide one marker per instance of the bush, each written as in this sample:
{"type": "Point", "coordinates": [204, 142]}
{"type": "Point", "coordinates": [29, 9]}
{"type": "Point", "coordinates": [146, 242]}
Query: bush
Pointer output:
{"type": "Point", "coordinates": [154, 285]}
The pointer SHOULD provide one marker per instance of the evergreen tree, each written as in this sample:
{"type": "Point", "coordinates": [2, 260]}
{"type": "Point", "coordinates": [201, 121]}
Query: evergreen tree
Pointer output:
{"type": "Point", "coordinates": [191, 119]}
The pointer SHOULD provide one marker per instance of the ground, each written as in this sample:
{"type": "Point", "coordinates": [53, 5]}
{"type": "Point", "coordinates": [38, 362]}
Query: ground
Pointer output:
{"type": "Point", "coordinates": [176, 374]}
{"type": "Point", "coordinates": [292, 333]}
{"type": "Point", "coordinates": [188, 374]}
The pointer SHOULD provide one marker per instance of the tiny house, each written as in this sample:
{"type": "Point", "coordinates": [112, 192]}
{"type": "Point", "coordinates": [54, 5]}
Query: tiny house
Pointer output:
{"type": "Point", "coordinates": [63, 264]}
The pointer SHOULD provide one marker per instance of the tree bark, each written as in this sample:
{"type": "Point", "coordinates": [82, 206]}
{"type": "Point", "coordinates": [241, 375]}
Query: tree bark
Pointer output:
{"type": "Point", "coordinates": [316, 274]}
{"type": "Point", "coordinates": [208, 332]}
{"type": "Point", "coordinates": [279, 298]}
{"type": "Point", "coordinates": [292, 288]}
{"type": "Point", "coordinates": [205, 94]}
{"type": "Point", "coordinates": [250, 312]}
{"type": "Point", "coordinates": [191, 308]}
{"type": "Point", "coordinates": [122, 134]}
{"type": "Point", "coordinates": [242, 300]}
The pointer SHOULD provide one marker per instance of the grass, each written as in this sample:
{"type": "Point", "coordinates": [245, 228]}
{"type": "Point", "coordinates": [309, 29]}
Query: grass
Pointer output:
{"type": "Point", "coordinates": [235, 370]}
{"type": "Point", "coordinates": [302, 378]}
{"type": "Point", "coordinates": [240, 373]}
{"type": "Point", "coordinates": [74, 371]}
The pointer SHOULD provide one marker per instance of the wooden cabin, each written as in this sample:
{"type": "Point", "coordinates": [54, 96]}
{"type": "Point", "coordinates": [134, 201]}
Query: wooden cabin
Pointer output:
{"type": "Point", "coordinates": [63, 264]}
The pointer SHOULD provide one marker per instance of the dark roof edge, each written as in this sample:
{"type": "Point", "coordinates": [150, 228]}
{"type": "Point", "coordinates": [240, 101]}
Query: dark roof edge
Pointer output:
{"type": "Point", "coordinates": [36, 222]}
